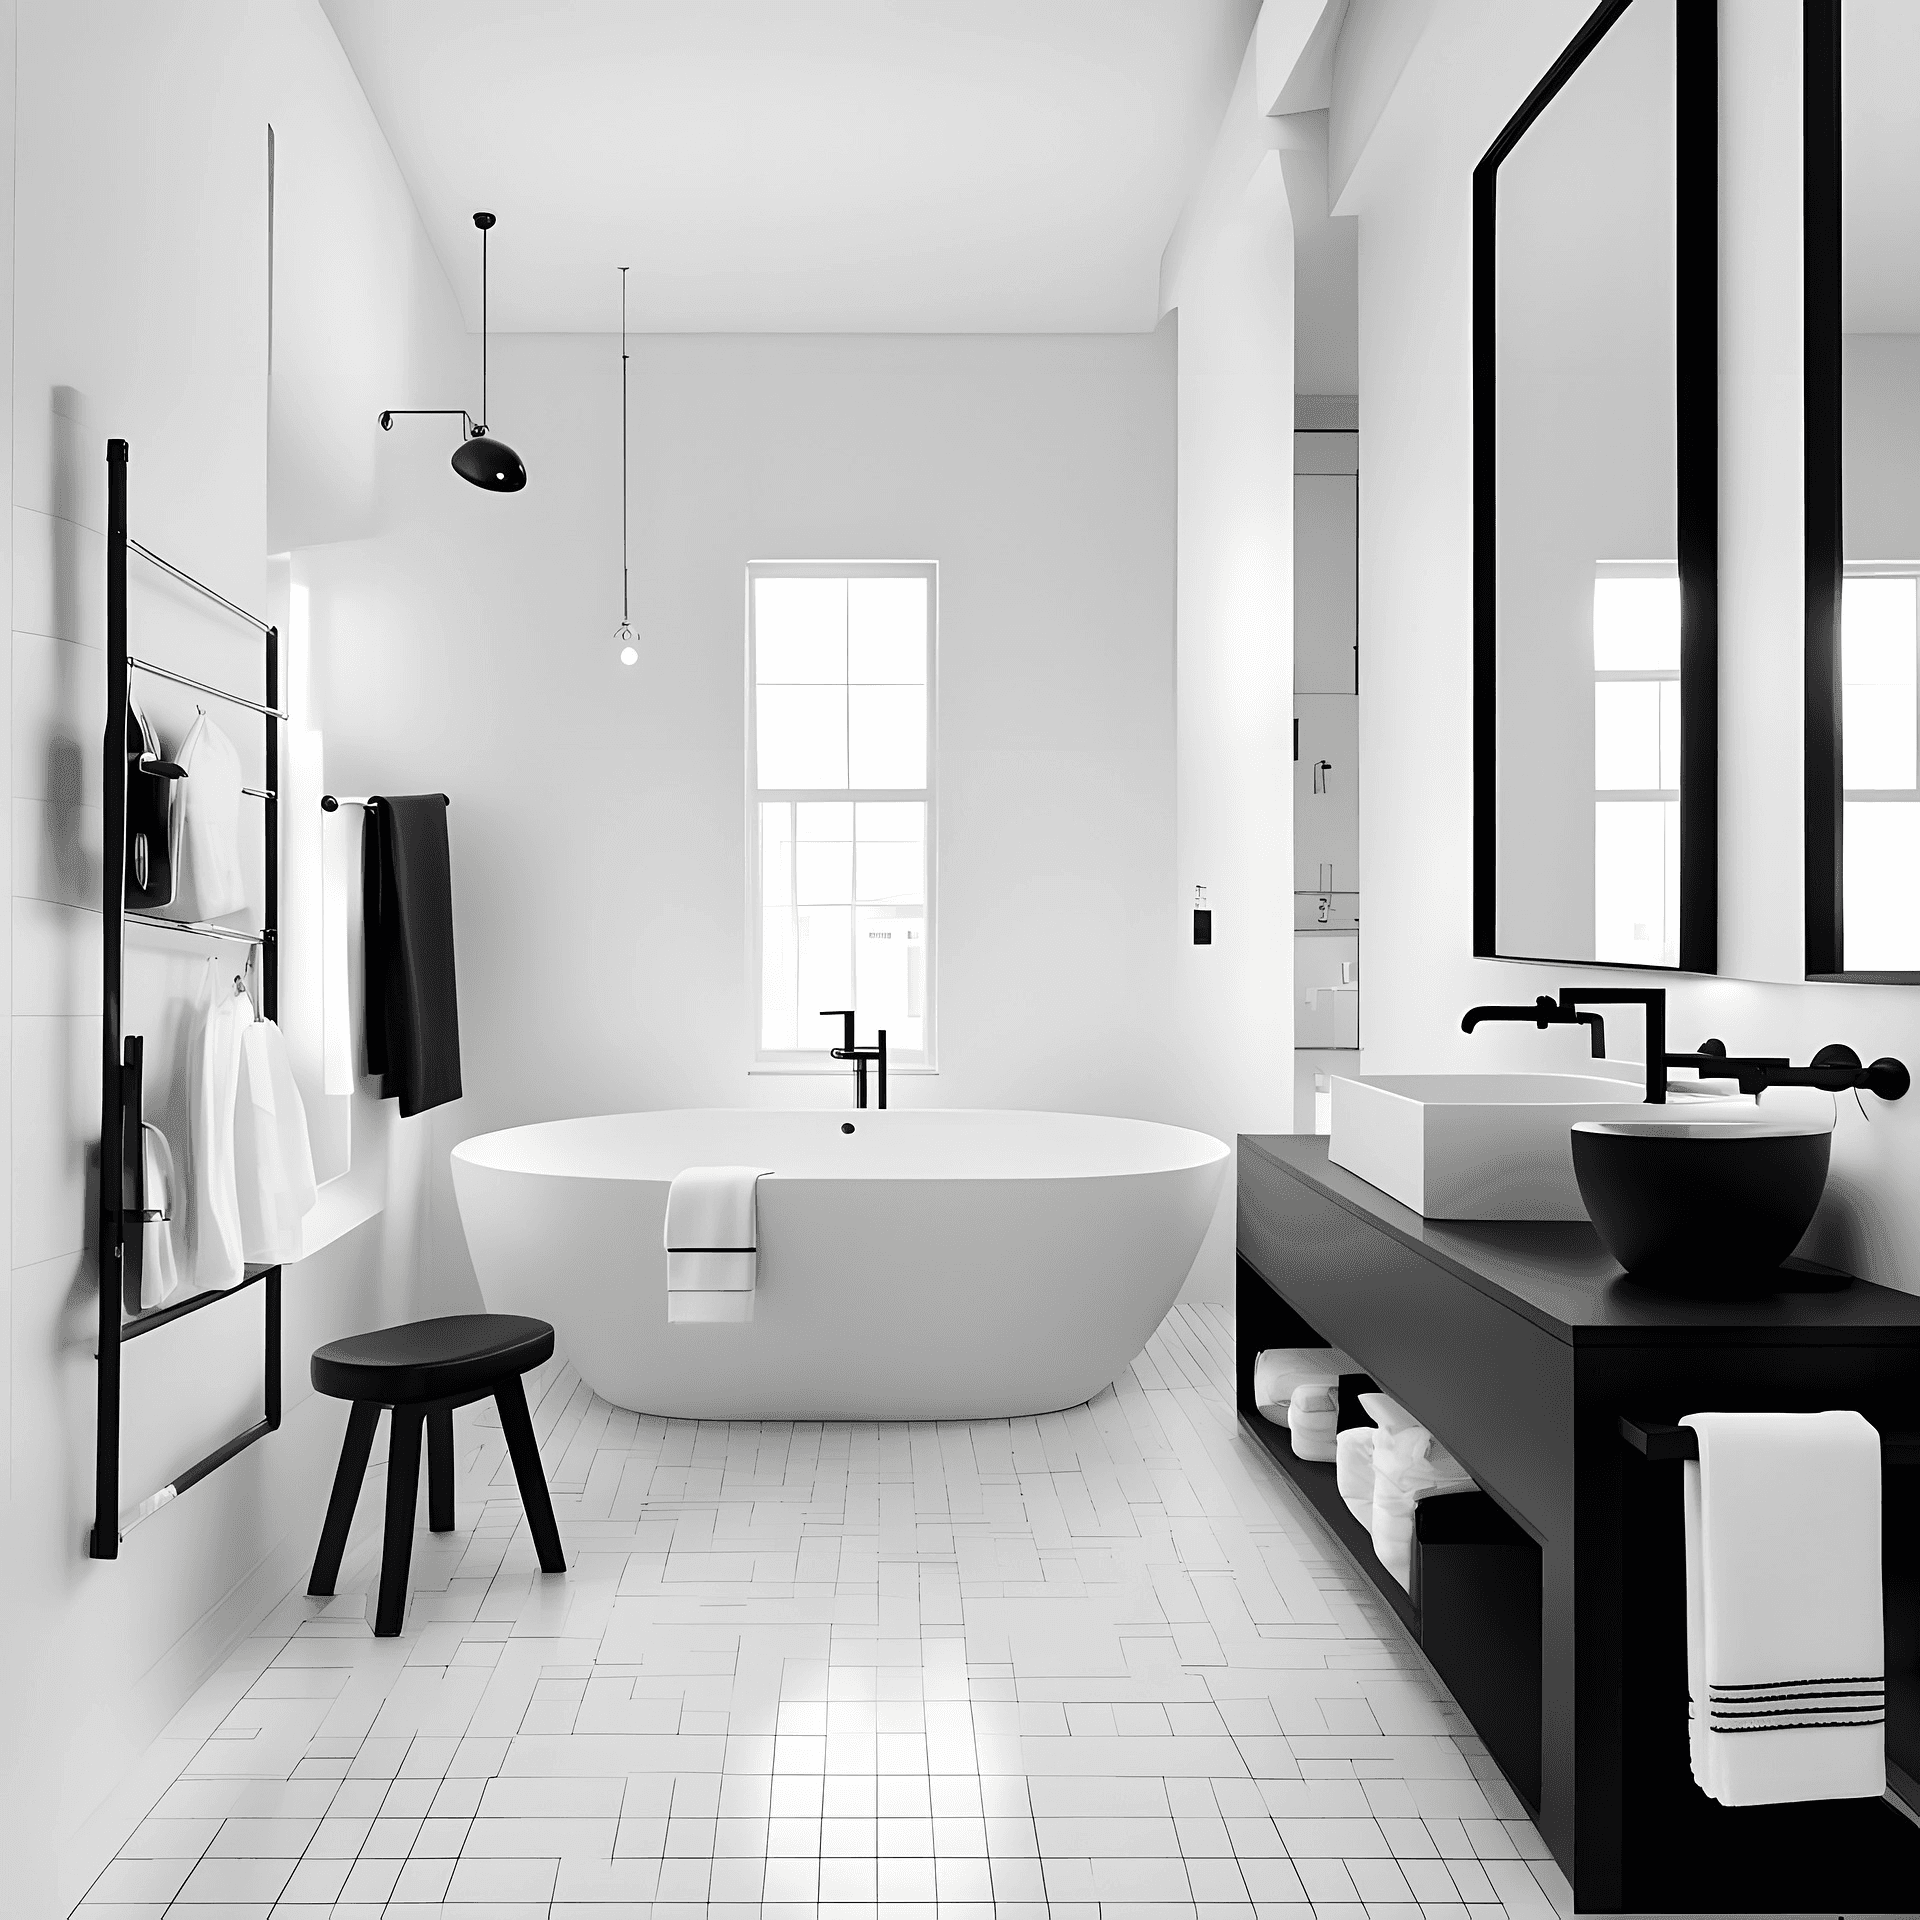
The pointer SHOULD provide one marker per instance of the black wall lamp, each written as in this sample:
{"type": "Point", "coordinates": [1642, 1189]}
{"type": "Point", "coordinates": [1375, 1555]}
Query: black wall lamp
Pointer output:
{"type": "Point", "coordinates": [479, 458]}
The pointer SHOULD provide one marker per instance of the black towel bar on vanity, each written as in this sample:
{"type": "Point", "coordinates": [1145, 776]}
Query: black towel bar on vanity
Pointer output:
{"type": "Point", "coordinates": [1661, 1440]}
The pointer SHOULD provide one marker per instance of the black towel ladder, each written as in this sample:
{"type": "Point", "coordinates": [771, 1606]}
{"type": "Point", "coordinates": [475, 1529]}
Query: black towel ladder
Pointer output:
{"type": "Point", "coordinates": [123, 1198]}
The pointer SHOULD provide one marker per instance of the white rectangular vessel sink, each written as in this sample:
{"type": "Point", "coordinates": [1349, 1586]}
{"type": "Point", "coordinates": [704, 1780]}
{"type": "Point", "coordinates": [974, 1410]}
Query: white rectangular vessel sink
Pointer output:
{"type": "Point", "coordinates": [1473, 1146]}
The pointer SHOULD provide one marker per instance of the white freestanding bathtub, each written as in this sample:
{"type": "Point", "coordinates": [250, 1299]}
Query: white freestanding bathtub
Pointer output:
{"type": "Point", "coordinates": [913, 1265]}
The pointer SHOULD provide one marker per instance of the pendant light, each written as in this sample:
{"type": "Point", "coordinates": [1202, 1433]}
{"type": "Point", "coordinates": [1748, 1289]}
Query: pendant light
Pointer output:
{"type": "Point", "coordinates": [479, 459]}
{"type": "Point", "coordinates": [623, 634]}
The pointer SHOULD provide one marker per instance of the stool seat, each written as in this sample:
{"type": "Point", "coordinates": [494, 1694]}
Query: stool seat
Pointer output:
{"type": "Point", "coordinates": [421, 1372]}
{"type": "Point", "coordinates": [431, 1359]}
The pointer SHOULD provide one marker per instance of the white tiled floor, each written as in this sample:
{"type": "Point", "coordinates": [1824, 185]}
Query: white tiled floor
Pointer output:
{"type": "Point", "coordinates": [1100, 1665]}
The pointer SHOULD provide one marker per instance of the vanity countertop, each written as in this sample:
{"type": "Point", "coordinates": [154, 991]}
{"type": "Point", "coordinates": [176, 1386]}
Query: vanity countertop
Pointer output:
{"type": "Point", "coordinates": [1557, 1275]}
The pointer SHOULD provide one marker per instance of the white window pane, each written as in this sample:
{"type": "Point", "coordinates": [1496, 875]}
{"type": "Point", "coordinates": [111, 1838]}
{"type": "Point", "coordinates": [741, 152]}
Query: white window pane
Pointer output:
{"type": "Point", "coordinates": [802, 736]}
{"type": "Point", "coordinates": [1882, 879]}
{"type": "Point", "coordinates": [892, 872]}
{"type": "Point", "coordinates": [823, 871]}
{"type": "Point", "coordinates": [889, 747]}
{"type": "Point", "coordinates": [1670, 734]}
{"type": "Point", "coordinates": [826, 819]}
{"type": "Point", "coordinates": [1634, 844]}
{"type": "Point", "coordinates": [826, 971]}
{"type": "Point", "coordinates": [779, 978]}
{"type": "Point", "coordinates": [1636, 625]}
{"type": "Point", "coordinates": [890, 956]}
{"type": "Point", "coordinates": [776, 853]}
{"type": "Point", "coordinates": [1877, 736]}
{"type": "Point", "coordinates": [891, 864]}
{"type": "Point", "coordinates": [800, 630]}
{"type": "Point", "coordinates": [887, 630]}
{"type": "Point", "coordinates": [1877, 618]}
{"type": "Point", "coordinates": [1626, 734]}
{"type": "Point", "coordinates": [892, 820]}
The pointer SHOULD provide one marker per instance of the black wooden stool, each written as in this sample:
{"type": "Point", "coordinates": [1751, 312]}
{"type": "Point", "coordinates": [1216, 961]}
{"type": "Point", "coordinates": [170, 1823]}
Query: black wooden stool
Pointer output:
{"type": "Point", "coordinates": [421, 1372]}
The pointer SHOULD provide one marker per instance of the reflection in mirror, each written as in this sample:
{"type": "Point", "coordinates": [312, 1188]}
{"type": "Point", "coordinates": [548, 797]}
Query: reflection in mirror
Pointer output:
{"type": "Point", "coordinates": [1863, 497]}
{"type": "Point", "coordinates": [1594, 505]}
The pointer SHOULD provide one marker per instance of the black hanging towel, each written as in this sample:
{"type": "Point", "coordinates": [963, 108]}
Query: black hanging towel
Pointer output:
{"type": "Point", "coordinates": [413, 1019]}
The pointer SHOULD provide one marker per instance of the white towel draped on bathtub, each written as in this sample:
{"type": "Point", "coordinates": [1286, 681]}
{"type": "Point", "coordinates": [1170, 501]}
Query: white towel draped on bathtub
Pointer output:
{"type": "Point", "coordinates": [712, 1240]}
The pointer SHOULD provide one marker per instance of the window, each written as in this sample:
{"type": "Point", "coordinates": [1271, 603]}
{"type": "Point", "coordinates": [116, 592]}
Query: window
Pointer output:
{"type": "Point", "coordinates": [840, 768]}
{"type": "Point", "coordinates": [1636, 764]}
{"type": "Point", "coordinates": [1880, 778]}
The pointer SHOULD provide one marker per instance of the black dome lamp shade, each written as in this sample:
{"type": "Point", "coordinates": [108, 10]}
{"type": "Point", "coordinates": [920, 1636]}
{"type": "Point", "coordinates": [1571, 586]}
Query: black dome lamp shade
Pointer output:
{"type": "Point", "coordinates": [479, 459]}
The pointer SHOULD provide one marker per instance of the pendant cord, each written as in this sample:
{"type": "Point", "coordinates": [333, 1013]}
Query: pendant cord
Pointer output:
{"type": "Point", "coordinates": [624, 609]}
{"type": "Point", "coordinates": [483, 326]}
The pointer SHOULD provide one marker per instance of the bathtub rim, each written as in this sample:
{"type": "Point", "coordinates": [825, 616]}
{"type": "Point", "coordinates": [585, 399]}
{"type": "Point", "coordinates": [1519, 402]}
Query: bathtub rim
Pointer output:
{"type": "Point", "coordinates": [1215, 1152]}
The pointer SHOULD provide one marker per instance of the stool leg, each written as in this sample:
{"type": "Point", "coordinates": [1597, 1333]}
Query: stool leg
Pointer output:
{"type": "Point", "coordinates": [361, 1423]}
{"type": "Point", "coordinates": [517, 1425]}
{"type": "Point", "coordinates": [440, 1469]}
{"type": "Point", "coordinates": [403, 1494]}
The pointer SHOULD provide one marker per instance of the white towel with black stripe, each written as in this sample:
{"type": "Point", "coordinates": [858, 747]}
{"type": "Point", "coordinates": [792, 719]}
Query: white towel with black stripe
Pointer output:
{"type": "Point", "coordinates": [713, 1242]}
{"type": "Point", "coordinates": [1786, 1652]}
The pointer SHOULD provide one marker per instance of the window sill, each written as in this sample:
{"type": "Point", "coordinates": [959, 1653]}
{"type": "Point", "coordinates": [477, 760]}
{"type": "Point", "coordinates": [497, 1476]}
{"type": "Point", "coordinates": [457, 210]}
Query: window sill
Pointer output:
{"type": "Point", "coordinates": [838, 1070]}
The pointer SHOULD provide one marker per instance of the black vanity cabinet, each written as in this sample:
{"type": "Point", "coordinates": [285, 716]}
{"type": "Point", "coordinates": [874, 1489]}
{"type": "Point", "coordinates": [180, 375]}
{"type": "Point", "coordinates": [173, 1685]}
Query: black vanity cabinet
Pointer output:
{"type": "Point", "coordinates": [1522, 1345]}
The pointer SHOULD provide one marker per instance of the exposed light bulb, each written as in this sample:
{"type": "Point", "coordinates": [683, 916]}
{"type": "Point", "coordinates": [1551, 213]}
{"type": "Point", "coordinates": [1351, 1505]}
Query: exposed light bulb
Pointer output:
{"type": "Point", "coordinates": [629, 653]}
{"type": "Point", "coordinates": [629, 656]}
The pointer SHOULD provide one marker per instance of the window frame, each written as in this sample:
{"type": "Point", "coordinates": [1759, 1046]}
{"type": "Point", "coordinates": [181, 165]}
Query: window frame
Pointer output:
{"type": "Point", "coordinates": [802, 1061]}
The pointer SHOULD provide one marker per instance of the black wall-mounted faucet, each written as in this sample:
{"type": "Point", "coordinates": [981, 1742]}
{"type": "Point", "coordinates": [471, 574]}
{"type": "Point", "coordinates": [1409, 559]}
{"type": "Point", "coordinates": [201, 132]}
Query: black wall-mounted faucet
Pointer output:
{"type": "Point", "coordinates": [860, 1056]}
{"type": "Point", "coordinates": [1565, 1012]}
{"type": "Point", "coordinates": [1834, 1069]}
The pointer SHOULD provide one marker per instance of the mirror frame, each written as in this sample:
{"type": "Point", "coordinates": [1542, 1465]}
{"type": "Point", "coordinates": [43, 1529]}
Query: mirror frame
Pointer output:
{"type": "Point", "coordinates": [1696, 488]}
{"type": "Point", "coordinates": [1826, 551]}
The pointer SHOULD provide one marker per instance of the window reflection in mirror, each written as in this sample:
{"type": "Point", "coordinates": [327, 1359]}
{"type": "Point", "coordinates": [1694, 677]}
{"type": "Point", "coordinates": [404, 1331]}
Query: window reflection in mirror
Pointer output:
{"type": "Point", "coordinates": [1636, 764]}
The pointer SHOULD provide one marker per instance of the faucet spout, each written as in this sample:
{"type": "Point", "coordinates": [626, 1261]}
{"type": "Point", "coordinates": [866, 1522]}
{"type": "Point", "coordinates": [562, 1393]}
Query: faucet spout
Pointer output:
{"type": "Point", "coordinates": [1569, 1011]}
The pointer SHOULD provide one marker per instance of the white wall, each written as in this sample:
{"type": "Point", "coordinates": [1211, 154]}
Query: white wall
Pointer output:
{"type": "Point", "coordinates": [1228, 276]}
{"type": "Point", "coordinates": [599, 813]}
{"type": "Point", "coordinates": [1410, 185]}
{"type": "Point", "coordinates": [140, 257]}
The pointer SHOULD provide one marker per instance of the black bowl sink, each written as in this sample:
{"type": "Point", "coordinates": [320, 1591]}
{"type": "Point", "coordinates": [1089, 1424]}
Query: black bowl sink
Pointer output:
{"type": "Point", "coordinates": [1700, 1204]}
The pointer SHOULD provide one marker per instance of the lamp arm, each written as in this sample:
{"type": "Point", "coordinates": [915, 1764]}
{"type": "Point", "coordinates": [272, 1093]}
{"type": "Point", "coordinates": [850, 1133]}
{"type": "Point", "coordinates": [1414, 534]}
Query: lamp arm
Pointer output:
{"type": "Point", "coordinates": [389, 415]}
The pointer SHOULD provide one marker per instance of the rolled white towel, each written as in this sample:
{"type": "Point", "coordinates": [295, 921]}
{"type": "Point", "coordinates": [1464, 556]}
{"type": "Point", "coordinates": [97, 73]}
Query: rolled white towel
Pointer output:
{"type": "Point", "coordinates": [1278, 1370]}
{"type": "Point", "coordinates": [1353, 1470]}
{"type": "Point", "coordinates": [1408, 1467]}
{"type": "Point", "coordinates": [1312, 1415]}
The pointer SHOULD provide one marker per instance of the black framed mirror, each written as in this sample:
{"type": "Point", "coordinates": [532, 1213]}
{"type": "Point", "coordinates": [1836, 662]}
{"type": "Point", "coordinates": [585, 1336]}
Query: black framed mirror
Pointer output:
{"type": "Point", "coordinates": [1862, 132]}
{"type": "Point", "coordinates": [1595, 315]}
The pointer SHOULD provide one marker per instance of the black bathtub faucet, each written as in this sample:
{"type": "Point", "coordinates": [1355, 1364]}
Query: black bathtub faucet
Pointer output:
{"type": "Point", "coordinates": [860, 1056]}
{"type": "Point", "coordinates": [1835, 1068]}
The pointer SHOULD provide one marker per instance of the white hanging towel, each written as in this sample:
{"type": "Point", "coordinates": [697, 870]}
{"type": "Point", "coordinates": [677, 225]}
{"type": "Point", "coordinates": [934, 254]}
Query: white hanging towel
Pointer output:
{"type": "Point", "coordinates": [273, 1158]}
{"type": "Point", "coordinates": [712, 1240]}
{"type": "Point", "coordinates": [1313, 1414]}
{"type": "Point", "coordinates": [159, 1275]}
{"type": "Point", "coordinates": [1278, 1370]}
{"type": "Point", "coordinates": [340, 942]}
{"type": "Point", "coordinates": [1786, 1654]}
{"type": "Point", "coordinates": [213, 1193]}
{"type": "Point", "coordinates": [210, 878]}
